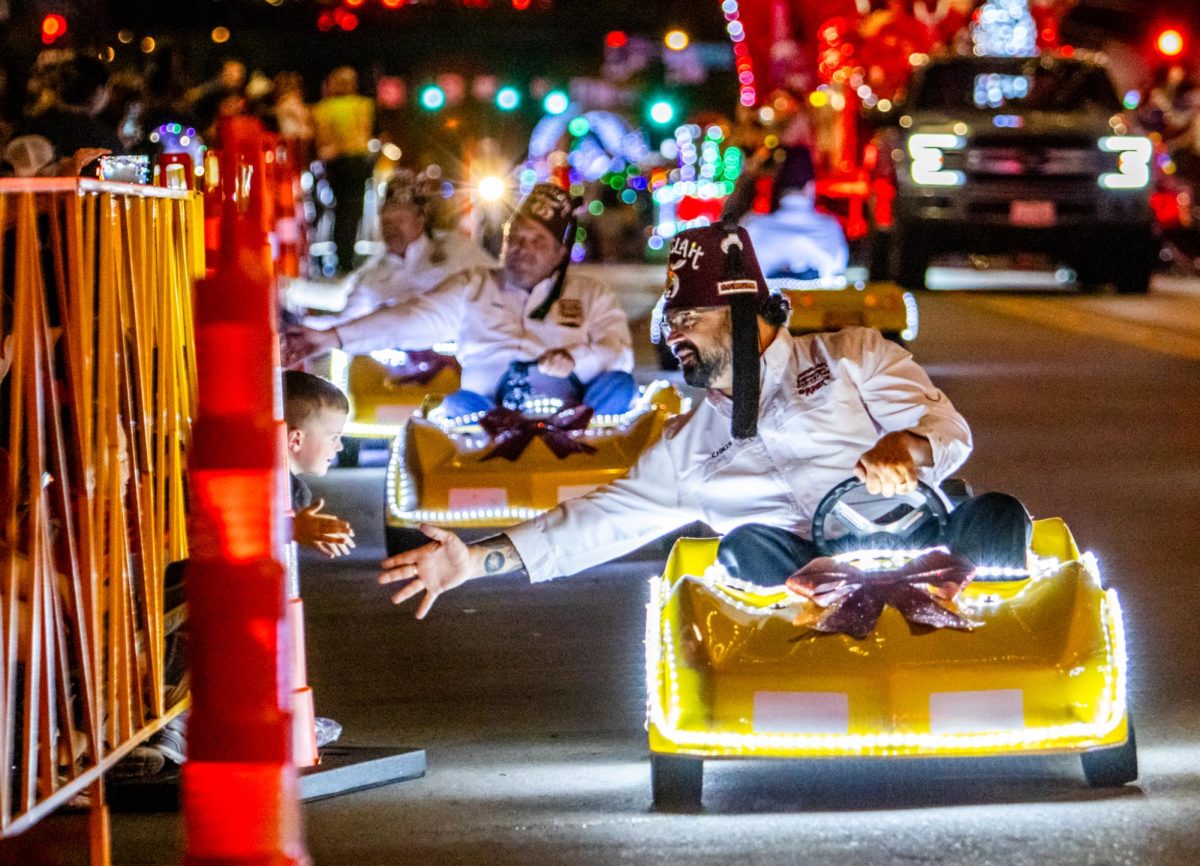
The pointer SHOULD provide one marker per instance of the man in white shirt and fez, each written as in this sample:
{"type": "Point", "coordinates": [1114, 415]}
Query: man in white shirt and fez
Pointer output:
{"type": "Point", "coordinates": [785, 420]}
{"type": "Point", "coordinates": [568, 329]}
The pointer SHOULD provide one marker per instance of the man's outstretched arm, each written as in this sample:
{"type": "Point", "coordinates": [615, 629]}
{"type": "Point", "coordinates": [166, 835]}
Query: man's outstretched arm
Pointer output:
{"type": "Point", "coordinates": [447, 562]}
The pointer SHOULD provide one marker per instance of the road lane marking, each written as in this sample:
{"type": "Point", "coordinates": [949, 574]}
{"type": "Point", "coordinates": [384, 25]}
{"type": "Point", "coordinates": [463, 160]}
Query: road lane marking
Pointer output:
{"type": "Point", "coordinates": [1066, 315]}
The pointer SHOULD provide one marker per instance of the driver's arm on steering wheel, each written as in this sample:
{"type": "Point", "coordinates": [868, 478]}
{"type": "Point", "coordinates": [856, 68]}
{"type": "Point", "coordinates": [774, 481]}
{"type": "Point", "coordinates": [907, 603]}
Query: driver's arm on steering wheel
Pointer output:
{"type": "Point", "coordinates": [891, 465]}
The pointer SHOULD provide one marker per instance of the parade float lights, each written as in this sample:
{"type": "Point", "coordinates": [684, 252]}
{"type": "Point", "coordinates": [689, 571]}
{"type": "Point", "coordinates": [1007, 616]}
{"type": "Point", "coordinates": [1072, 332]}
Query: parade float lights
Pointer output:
{"type": "Point", "coordinates": [556, 102]}
{"type": "Point", "coordinates": [691, 194]}
{"type": "Point", "coordinates": [432, 97]}
{"type": "Point", "coordinates": [1005, 28]}
{"type": "Point", "coordinates": [508, 98]}
{"type": "Point", "coordinates": [747, 94]}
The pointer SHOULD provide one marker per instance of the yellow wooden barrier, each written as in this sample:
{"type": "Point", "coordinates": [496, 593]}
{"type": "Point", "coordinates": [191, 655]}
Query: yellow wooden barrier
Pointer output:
{"type": "Point", "coordinates": [95, 415]}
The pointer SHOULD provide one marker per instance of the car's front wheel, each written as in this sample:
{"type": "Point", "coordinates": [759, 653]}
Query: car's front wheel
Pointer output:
{"type": "Point", "coordinates": [677, 781]}
{"type": "Point", "coordinates": [1112, 767]}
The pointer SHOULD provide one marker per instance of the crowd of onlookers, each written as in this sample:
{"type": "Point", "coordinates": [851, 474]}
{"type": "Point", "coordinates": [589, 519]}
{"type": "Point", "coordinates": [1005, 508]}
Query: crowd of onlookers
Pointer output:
{"type": "Point", "coordinates": [74, 102]}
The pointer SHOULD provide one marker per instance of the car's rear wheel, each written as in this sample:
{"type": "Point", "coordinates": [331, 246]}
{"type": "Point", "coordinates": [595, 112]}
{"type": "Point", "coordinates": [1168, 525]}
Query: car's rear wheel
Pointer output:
{"type": "Point", "coordinates": [676, 781]}
{"type": "Point", "coordinates": [1133, 277]}
{"type": "Point", "coordinates": [348, 456]}
{"type": "Point", "coordinates": [910, 259]}
{"type": "Point", "coordinates": [1112, 767]}
{"type": "Point", "coordinates": [401, 539]}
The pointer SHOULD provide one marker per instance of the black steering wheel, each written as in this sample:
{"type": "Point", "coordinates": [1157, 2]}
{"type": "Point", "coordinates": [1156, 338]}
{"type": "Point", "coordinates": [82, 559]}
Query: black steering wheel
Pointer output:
{"type": "Point", "coordinates": [850, 517]}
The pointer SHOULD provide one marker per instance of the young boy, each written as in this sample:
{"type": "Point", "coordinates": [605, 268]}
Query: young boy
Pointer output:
{"type": "Point", "coordinates": [315, 412]}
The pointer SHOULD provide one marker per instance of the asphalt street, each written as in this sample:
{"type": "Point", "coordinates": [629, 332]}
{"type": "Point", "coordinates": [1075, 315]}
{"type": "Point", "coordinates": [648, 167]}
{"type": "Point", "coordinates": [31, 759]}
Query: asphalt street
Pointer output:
{"type": "Point", "coordinates": [530, 700]}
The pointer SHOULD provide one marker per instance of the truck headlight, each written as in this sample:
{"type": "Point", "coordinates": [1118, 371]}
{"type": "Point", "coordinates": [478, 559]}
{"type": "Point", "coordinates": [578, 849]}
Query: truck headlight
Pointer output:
{"type": "Point", "coordinates": [1134, 154]}
{"type": "Point", "coordinates": [928, 153]}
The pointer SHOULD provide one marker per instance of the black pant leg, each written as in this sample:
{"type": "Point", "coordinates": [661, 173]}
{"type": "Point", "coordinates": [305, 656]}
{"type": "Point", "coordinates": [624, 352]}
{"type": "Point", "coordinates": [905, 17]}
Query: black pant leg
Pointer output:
{"type": "Point", "coordinates": [990, 530]}
{"type": "Point", "coordinates": [347, 176]}
{"type": "Point", "coordinates": [766, 555]}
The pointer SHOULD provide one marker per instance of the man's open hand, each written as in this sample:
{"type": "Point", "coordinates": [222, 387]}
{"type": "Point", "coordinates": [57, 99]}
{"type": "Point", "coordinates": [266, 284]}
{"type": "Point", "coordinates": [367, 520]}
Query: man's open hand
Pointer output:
{"type": "Point", "coordinates": [891, 466]}
{"type": "Point", "coordinates": [436, 567]}
{"type": "Point", "coordinates": [331, 535]}
{"type": "Point", "coordinates": [299, 343]}
{"type": "Point", "coordinates": [556, 362]}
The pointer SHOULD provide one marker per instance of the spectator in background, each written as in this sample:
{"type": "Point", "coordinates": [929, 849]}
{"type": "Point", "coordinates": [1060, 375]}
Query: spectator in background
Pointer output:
{"type": "Point", "coordinates": [27, 156]}
{"type": "Point", "coordinates": [125, 108]}
{"type": "Point", "coordinates": [343, 122]}
{"type": "Point", "coordinates": [292, 115]}
{"type": "Point", "coordinates": [230, 78]}
{"type": "Point", "coordinates": [70, 118]}
{"type": "Point", "coordinates": [795, 239]}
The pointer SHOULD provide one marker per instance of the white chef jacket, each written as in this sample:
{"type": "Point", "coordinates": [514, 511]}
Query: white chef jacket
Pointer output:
{"type": "Point", "coordinates": [490, 321]}
{"type": "Point", "coordinates": [797, 237]}
{"type": "Point", "coordinates": [825, 400]}
{"type": "Point", "coordinates": [387, 278]}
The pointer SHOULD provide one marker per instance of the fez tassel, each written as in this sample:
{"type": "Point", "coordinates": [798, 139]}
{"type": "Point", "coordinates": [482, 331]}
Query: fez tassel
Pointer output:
{"type": "Point", "coordinates": [843, 599]}
{"type": "Point", "coordinates": [512, 432]}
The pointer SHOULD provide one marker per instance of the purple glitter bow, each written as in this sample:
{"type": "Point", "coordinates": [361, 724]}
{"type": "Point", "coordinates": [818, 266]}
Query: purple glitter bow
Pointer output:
{"type": "Point", "coordinates": [420, 367]}
{"type": "Point", "coordinates": [512, 432]}
{"type": "Point", "coordinates": [847, 600]}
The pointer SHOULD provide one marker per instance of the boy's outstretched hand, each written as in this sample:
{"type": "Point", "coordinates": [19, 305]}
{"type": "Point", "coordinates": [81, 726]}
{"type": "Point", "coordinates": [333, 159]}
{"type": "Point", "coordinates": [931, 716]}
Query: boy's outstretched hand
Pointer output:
{"type": "Point", "coordinates": [324, 532]}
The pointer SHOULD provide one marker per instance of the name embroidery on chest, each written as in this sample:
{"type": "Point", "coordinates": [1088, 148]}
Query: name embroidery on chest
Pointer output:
{"type": "Point", "coordinates": [570, 312]}
{"type": "Point", "coordinates": [721, 450]}
{"type": "Point", "coordinates": [813, 379]}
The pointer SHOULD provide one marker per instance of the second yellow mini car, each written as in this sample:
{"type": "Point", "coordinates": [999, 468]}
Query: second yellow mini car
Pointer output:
{"type": "Point", "coordinates": [831, 305]}
{"type": "Point", "coordinates": [454, 472]}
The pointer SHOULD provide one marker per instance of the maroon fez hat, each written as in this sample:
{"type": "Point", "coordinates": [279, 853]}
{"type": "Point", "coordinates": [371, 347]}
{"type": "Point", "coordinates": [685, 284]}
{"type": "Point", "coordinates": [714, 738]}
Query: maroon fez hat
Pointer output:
{"type": "Point", "coordinates": [697, 272]}
{"type": "Point", "coordinates": [552, 208]}
{"type": "Point", "coordinates": [715, 266]}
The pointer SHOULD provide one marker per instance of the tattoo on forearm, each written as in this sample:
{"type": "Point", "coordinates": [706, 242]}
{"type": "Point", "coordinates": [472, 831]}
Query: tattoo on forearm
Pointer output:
{"type": "Point", "coordinates": [500, 556]}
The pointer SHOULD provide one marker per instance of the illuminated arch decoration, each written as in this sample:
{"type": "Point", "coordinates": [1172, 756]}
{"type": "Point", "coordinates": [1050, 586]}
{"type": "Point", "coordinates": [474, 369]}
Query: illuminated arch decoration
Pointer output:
{"type": "Point", "coordinates": [607, 144]}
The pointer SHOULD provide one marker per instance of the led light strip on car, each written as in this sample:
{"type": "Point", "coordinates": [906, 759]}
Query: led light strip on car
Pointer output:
{"type": "Point", "coordinates": [466, 515]}
{"type": "Point", "coordinates": [659, 680]}
{"type": "Point", "coordinates": [912, 320]}
{"type": "Point", "coordinates": [401, 505]}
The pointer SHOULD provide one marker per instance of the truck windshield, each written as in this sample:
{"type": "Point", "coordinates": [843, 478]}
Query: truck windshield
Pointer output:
{"type": "Point", "coordinates": [1015, 87]}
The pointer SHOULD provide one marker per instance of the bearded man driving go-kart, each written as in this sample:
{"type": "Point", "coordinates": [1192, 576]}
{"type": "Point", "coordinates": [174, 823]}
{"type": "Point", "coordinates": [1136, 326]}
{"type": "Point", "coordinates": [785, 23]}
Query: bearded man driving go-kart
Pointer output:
{"type": "Point", "coordinates": [785, 420]}
{"type": "Point", "coordinates": [531, 310]}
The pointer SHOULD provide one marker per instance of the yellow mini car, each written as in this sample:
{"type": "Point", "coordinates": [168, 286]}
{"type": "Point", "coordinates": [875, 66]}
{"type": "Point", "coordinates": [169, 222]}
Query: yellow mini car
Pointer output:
{"type": "Point", "coordinates": [736, 670]}
{"type": "Point", "coordinates": [828, 305]}
{"type": "Point", "coordinates": [385, 389]}
{"type": "Point", "coordinates": [465, 473]}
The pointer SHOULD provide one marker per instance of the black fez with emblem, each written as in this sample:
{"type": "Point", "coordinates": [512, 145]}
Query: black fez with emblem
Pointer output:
{"type": "Point", "coordinates": [553, 208]}
{"type": "Point", "coordinates": [715, 266]}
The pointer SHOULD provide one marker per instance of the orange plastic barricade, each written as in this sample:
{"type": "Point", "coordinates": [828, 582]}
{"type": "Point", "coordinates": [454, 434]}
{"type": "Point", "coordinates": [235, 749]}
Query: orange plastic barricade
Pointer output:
{"type": "Point", "coordinates": [97, 389]}
{"type": "Point", "coordinates": [240, 789]}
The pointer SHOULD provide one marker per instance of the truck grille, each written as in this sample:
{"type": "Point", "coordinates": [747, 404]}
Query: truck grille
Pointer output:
{"type": "Point", "coordinates": [1060, 163]}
